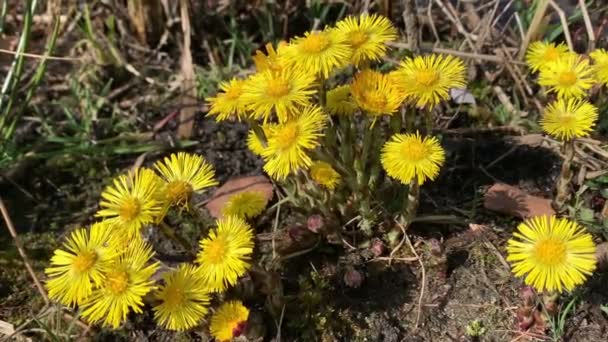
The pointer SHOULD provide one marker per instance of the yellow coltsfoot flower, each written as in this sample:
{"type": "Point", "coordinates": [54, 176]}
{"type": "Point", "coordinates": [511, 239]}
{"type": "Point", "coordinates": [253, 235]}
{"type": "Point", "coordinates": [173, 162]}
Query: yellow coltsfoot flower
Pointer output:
{"type": "Point", "coordinates": [566, 119]}
{"type": "Point", "coordinates": [318, 52]}
{"type": "Point", "coordinates": [282, 92]}
{"type": "Point", "coordinates": [552, 253]}
{"type": "Point", "coordinates": [570, 76]}
{"type": "Point", "coordinates": [132, 201]}
{"type": "Point", "coordinates": [376, 93]}
{"type": "Point", "coordinates": [600, 65]}
{"type": "Point", "coordinates": [229, 102]}
{"type": "Point", "coordinates": [229, 321]}
{"type": "Point", "coordinates": [367, 36]}
{"type": "Point", "coordinates": [81, 263]}
{"type": "Point", "coordinates": [324, 174]}
{"type": "Point", "coordinates": [289, 143]}
{"type": "Point", "coordinates": [226, 254]}
{"type": "Point", "coordinates": [184, 299]}
{"type": "Point", "coordinates": [126, 282]}
{"type": "Point", "coordinates": [255, 143]}
{"type": "Point", "coordinates": [245, 204]}
{"type": "Point", "coordinates": [272, 60]}
{"type": "Point", "coordinates": [426, 80]}
{"type": "Point", "coordinates": [184, 174]}
{"type": "Point", "coordinates": [540, 54]}
{"type": "Point", "coordinates": [340, 102]}
{"type": "Point", "coordinates": [409, 156]}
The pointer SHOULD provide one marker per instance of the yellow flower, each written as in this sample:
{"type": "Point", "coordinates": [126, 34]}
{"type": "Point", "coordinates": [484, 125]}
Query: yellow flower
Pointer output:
{"type": "Point", "coordinates": [409, 156]}
{"type": "Point", "coordinates": [184, 299]}
{"type": "Point", "coordinates": [541, 53]}
{"type": "Point", "coordinates": [318, 52]}
{"type": "Point", "coordinates": [184, 174]}
{"type": "Point", "coordinates": [245, 204]}
{"type": "Point", "coordinates": [254, 143]}
{"type": "Point", "coordinates": [426, 80]}
{"type": "Point", "coordinates": [376, 93]}
{"type": "Point", "coordinates": [325, 175]}
{"type": "Point", "coordinates": [367, 36]}
{"type": "Point", "coordinates": [81, 263]}
{"type": "Point", "coordinates": [126, 283]}
{"type": "Point", "coordinates": [600, 65]}
{"type": "Point", "coordinates": [282, 92]}
{"type": "Point", "coordinates": [229, 103]}
{"type": "Point", "coordinates": [570, 76]}
{"type": "Point", "coordinates": [554, 254]}
{"type": "Point", "coordinates": [226, 254]}
{"type": "Point", "coordinates": [340, 102]}
{"type": "Point", "coordinates": [132, 201]}
{"type": "Point", "coordinates": [229, 321]}
{"type": "Point", "coordinates": [290, 142]}
{"type": "Point", "coordinates": [569, 118]}
{"type": "Point", "coordinates": [271, 61]}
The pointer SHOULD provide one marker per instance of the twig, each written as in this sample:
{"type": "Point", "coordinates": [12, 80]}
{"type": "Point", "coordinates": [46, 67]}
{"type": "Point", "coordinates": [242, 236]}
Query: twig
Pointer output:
{"type": "Point", "coordinates": [28, 266]}
{"type": "Point", "coordinates": [533, 28]}
{"type": "Point", "coordinates": [470, 55]}
{"type": "Point", "coordinates": [275, 227]}
{"type": "Point", "coordinates": [564, 21]}
{"type": "Point", "coordinates": [187, 71]}
{"type": "Point", "coordinates": [423, 284]}
{"type": "Point", "coordinates": [390, 257]}
{"type": "Point", "coordinates": [37, 56]}
{"type": "Point", "coordinates": [411, 24]}
{"type": "Point", "coordinates": [588, 26]}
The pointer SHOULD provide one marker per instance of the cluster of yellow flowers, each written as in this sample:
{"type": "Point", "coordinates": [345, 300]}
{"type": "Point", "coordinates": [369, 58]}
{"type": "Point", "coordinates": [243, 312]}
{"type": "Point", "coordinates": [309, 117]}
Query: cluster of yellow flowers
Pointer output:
{"type": "Point", "coordinates": [291, 99]}
{"type": "Point", "coordinates": [569, 76]}
{"type": "Point", "coordinates": [108, 269]}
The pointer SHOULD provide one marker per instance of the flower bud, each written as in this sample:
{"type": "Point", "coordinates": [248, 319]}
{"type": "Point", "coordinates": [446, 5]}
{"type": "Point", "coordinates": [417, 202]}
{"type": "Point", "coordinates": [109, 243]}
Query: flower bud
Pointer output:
{"type": "Point", "coordinates": [353, 278]}
{"type": "Point", "coordinates": [377, 247]}
{"type": "Point", "coordinates": [315, 223]}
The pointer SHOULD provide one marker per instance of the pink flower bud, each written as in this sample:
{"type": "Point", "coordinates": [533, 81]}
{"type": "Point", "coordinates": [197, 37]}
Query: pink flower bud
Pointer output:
{"type": "Point", "coordinates": [377, 247]}
{"type": "Point", "coordinates": [353, 278]}
{"type": "Point", "coordinates": [315, 223]}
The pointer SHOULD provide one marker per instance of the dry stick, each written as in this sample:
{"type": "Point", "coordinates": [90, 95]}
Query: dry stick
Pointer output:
{"type": "Point", "coordinates": [533, 28]}
{"type": "Point", "coordinates": [588, 26]}
{"type": "Point", "coordinates": [187, 70]}
{"type": "Point", "coordinates": [470, 55]}
{"type": "Point", "coordinates": [411, 24]}
{"type": "Point", "coordinates": [423, 270]}
{"type": "Point", "coordinates": [26, 261]}
{"type": "Point", "coordinates": [562, 188]}
{"type": "Point", "coordinates": [564, 21]}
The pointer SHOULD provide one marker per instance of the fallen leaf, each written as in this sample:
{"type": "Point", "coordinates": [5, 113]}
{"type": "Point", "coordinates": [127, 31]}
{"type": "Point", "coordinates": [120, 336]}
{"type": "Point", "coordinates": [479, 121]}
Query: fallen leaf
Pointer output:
{"type": "Point", "coordinates": [510, 200]}
{"type": "Point", "coordinates": [461, 96]}
{"type": "Point", "coordinates": [237, 185]}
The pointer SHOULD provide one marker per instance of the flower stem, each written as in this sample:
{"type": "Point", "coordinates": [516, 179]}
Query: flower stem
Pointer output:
{"type": "Point", "coordinates": [563, 182]}
{"type": "Point", "coordinates": [411, 206]}
{"type": "Point", "coordinates": [322, 92]}
{"type": "Point", "coordinates": [170, 233]}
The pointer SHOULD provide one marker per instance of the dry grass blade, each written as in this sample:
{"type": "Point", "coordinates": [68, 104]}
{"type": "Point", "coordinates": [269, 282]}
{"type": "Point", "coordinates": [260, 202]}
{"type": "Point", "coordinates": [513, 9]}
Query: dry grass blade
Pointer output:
{"type": "Point", "coordinates": [564, 21]}
{"type": "Point", "coordinates": [541, 9]}
{"type": "Point", "coordinates": [588, 25]}
{"type": "Point", "coordinates": [187, 71]}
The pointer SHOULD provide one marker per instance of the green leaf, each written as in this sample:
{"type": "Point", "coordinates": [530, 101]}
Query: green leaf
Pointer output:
{"type": "Point", "coordinates": [604, 193]}
{"type": "Point", "coordinates": [586, 214]}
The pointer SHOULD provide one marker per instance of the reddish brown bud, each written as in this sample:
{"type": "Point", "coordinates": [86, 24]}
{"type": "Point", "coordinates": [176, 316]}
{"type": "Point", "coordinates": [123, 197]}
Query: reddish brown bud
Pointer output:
{"type": "Point", "coordinates": [527, 296]}
{"type": "Point", "coordinates": [377, 247]}
{"type": "Point", "coordinates": [353, 278]}
{"type": "Point", "coordinates": [316, 223]}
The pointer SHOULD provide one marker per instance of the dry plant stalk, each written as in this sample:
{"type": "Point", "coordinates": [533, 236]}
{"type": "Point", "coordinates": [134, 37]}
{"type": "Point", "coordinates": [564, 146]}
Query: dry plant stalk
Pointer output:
{"type": "Point", "coordinates": [563, 183]}
{"type": "Point", "coordinates": [187, 70]}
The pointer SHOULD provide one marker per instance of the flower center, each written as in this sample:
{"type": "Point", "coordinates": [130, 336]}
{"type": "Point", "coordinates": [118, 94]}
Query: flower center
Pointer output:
{"type": "Point", "coordinates": [129, 209]}
{"type": "Point", "coordinates": [322, 175]}
{"type": "Point", "coordinates": [375, 100]}
{"type": "Point", "coordinates": [84, 261]}
{"type": "Point", "coordinates": [358, 38]}
{"type": "Point", "coordinates": [178, 191]}
{"type": "Point", "coordinates": [118, 281]}
{"type": "Point", "coordinates": [567, 120]}
{"type": "Point", "coordinates": [234, 92]}
{"type": "Point", "coordinates": [414, 151]}
{"type": "Point", "coordinates": [216, 251]}
{"type": "Point", "coordinates": [288, 135]}
{"type": "Point", "coordinates": [427, 78]}
{"type": "Point", "coordinates": [315, 43]}
{"type": "Point", "coordinates": [551, 54]}
{"type": "Point", "coordinates": [550, 252]}
{"type": "Point", "coordinates": [174, 297]}
{"type": "Point", "coordinates": [567, 78]}
{"type": "Point", "coordinates": [277, 87]}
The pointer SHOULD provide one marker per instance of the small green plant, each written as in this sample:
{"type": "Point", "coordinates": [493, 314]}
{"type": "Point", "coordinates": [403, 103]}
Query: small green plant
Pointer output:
{"type": "Point", "coordinates": [557, 323]}
{"type": "Point", "coordinates": [475, 329]}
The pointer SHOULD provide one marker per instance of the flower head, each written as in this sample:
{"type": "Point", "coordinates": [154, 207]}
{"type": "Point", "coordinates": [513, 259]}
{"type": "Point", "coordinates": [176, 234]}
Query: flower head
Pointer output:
{"type": "Point", "coordinates": [569, 76]}
{"type": "Point", "coordinates": [132, 201]}
{"type": "Point", "coordinates": [376, 93]}
{"type": "Point", "coordinates": [282, 92]}
{"type": "Point", "coordinates": [553, 253]}
{"type": "Point", "coordinates": [541, 53]}
{"type": "Point", "coordinates": [229, 103]}
{"type": "Point", "coordinates": [81, 263]}
{"type": "Point", "coordinates": [426, 80]}
{"type": "Point", "coordinates": [290, 142]}
{"type": "Point", "coordinates": [229, 321]}
{"type": "Point", "coordinates": [245, 204]}
{"type": "Point", "coordinates": [569, 118]}
{"type": "Point", "coordinates": [255, 144]}
{"type": "Point", "coordinates": [600, 65]}
{"type": "Point", "coordinates": [184, 174]}
{"type": "Point", "coordinates": [324, 174]}
{"type": "Point", "coordinates": [409, 156]}
{"type": "Point", "coordinates": [318, 52]}
{"type": "Point", "coordinates": [272, 60]}
{"type": "Point", "coordinates": [184, 299]}
{"type": "Point", "coordinates": [226, 254]}
{"type": "Point", "coordinates": [126, 282]}
{"type": "Point", "coordinates": [340, 102]}
{"type": "Point", "coordinates": [367, 36]}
